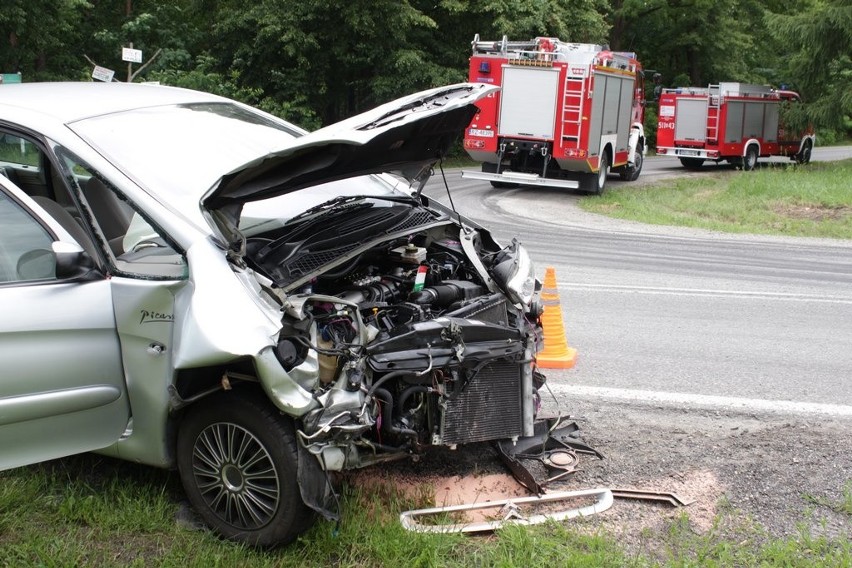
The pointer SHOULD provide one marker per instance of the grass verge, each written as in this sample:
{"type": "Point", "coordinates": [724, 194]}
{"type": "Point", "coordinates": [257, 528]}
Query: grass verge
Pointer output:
{"type": "Point", "coordinates": [93, 511]}
{"type": "Point", "coordinates": [810, 201]}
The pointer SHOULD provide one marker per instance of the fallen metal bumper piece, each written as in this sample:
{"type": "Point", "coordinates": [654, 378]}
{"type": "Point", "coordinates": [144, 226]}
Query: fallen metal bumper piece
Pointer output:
{"type": "Point", "coordinates": [550, 454]}
{"type": "Point", "coordinates": [507, 511]}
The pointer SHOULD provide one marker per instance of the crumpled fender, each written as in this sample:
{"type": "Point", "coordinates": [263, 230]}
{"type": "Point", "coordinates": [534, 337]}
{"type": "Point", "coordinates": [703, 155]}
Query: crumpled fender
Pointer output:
{"type": "Point", "coordinates": [226, 319]}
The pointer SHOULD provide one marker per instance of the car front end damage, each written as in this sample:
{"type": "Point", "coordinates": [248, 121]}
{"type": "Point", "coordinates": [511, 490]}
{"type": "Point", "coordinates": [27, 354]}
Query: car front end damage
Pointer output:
{"type": "Point", "coordinates": [404, 324]}
{"type": "Point", "coordinates": [423, 334]}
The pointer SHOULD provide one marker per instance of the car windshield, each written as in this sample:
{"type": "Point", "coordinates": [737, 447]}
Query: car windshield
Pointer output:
{"type": "Point", "coordinates": [178, 152]}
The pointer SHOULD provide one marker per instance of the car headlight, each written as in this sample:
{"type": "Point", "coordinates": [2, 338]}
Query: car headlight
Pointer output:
{"type": "Point", "coordinates": [515, 274]}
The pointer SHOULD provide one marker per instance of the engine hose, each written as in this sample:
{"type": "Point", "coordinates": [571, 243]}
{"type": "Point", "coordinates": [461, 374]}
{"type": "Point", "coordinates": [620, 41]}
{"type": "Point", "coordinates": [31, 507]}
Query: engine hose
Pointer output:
{"type": "Point", "coordinates": [386, 378]}
{"type": "Point", "coordinates": [387, 415]}
{"type": "Point", "coordinates": [406, 394]}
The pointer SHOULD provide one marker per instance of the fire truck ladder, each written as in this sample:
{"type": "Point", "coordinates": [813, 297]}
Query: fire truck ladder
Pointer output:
{"type": "Point", "coordinates": [572, 109]}
{"type": "Point", "coordinates": [714, 101]}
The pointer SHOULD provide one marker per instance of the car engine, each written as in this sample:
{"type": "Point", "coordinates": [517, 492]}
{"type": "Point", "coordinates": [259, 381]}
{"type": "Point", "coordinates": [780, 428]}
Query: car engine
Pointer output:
{"type": "Point", "coordinates": [414, 335]}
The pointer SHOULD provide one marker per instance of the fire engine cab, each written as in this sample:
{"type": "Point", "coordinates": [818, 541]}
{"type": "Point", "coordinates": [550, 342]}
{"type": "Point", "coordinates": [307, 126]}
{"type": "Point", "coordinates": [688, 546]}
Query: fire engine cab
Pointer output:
{"type": "Point", "coordinates": [565, 115]}
{"type": "Point", "coordinates": [735, 122]}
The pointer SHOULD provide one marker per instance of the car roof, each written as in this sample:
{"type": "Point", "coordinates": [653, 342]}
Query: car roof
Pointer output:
{"type": "Point", "coordinates": [68, 102]}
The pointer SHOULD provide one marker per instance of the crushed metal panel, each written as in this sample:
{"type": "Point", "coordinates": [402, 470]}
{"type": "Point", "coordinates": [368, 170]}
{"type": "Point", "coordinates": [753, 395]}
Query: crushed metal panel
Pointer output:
{"type": "Point", "coordinates": [509, 511]}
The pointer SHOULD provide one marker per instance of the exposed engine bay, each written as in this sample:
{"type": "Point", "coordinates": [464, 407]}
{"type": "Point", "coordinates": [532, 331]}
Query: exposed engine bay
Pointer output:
{"type": "Point", "coordinates": [409, 327]}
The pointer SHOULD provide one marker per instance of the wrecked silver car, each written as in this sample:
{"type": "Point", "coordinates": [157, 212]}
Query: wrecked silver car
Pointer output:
{"type": "Point", "coordinates": [188, 282]}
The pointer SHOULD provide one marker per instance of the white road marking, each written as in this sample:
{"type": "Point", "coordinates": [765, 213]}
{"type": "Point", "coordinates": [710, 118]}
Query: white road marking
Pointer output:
{"type": "Point", "coordinates": [708, 292]}
{"type": "Point", "coordinates": [701, 400]}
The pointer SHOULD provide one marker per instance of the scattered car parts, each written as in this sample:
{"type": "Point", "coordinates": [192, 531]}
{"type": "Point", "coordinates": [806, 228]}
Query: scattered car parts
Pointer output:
{"type": "Point", "coordinates": [508, 511]}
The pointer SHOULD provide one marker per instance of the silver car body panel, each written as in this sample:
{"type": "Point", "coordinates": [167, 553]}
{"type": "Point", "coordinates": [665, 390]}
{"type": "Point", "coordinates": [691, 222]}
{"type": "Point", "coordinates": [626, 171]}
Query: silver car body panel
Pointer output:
{"type": "Point", "coordinates": [62, 390]}
{"type": "Point", "coordinates": [141, 333]}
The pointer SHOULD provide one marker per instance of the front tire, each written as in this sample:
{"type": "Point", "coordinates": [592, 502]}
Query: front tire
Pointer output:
{"type": "Point", "coordinates": [804, 157]}
{"type": "Point", "coordinates": [238, 462]}
{"type": "Point", "coordinates": [595, 182]}
{"type": "Point", "coordinates": [631, 173]}
{"type": "Point", "coordinates": [750, 158]}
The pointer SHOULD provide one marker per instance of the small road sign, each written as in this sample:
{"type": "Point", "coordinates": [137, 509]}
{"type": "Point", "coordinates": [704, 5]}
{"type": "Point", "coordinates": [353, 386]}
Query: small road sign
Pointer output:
{"type": "Point", "coordinates": [102, 74]}
{"type": "Point", "coordinates": [131, 55]}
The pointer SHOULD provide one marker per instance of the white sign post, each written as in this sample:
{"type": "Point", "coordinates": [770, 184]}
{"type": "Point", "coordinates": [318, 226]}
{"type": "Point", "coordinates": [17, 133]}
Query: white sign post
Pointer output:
{"type": "Point", "coordinates": [131, 55]}
{"type": "Point", "coordinates": [102, 74]}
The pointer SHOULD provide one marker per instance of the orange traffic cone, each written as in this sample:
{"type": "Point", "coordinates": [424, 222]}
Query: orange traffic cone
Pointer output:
{"type": "Point", "coordinates": [556, 353]}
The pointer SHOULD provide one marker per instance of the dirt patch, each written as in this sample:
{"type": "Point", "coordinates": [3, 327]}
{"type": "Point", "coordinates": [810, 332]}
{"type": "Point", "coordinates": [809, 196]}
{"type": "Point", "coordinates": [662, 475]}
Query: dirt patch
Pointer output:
{"type": "Point", "coordinates": [606, 208]}
{"type": "Point", "coordinates": [776, 473]}
{"type": "Point", "coordinates": [812, 212]}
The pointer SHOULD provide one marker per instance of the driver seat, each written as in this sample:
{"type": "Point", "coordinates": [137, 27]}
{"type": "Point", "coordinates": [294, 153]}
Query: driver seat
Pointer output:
{"type": "Point", "coordinates": [112, 214]}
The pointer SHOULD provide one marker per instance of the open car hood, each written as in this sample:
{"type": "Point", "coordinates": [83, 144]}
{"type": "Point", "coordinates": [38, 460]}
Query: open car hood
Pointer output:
{"type": "Point", "coordinates": [406, 136]}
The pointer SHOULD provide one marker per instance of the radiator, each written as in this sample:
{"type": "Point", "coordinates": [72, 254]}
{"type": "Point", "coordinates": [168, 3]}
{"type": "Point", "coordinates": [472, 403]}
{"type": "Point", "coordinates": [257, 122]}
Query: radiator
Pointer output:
{"type": "Point", "coordinates": [489, 408]}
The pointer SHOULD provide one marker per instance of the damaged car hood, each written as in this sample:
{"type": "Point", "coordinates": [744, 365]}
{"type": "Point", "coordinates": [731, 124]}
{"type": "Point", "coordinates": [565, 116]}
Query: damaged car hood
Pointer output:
{"type": "Point", "coordinates": [406, 136]}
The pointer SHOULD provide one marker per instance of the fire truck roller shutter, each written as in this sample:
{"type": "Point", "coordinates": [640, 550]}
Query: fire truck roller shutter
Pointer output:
{"type": "Point", "coordinates": [734, 122]}
{"type": "Point", "coordinates": [528, 102]}
{"type": "Point", "coordinates": [691, 119]}
{"type": "Point", "coordinates": [611, 107]}
{"type": "Point", "coordinates": [753, 120]}
{"type": "Point", "coordinates": [770, 123]}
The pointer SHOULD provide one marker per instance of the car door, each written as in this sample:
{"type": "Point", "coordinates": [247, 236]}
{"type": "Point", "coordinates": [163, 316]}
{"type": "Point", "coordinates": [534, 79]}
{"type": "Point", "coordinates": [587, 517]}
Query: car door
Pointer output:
{"type": "Point", "coordinates": [62, 387]}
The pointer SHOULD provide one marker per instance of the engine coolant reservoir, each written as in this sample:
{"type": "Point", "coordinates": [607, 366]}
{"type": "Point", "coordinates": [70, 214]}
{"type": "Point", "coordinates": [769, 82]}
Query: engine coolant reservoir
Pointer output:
{"type": "Point", "coordinates": [327, 363]}
{"type": "Point", "coordinates": [409, 254]}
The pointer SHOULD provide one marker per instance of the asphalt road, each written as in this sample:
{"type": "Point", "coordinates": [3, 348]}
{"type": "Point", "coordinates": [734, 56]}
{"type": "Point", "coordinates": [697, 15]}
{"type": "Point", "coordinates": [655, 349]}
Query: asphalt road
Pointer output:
{"type": "Point", "coordinates": [688, 316]}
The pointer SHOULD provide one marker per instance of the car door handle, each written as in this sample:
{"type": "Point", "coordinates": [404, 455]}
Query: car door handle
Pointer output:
{"type": "Point", "coordinates": [156, 349]}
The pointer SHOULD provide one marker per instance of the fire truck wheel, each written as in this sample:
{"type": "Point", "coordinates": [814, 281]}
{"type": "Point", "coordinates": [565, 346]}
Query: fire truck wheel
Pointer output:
{"type": "Point", "coordinates": [804, 156]}
{"type": "Point", "coordinates": [692, 163]}
{"type": "Point", "coordinates": [750, 158]}
{"type": "Point", "coordinates": [631, 173]}
{"type": "Point", "coordinates": [595, 182]}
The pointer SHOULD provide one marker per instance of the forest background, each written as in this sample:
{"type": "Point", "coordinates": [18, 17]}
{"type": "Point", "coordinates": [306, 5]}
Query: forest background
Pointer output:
{"type": "Point", "coordinates": [314, 62]}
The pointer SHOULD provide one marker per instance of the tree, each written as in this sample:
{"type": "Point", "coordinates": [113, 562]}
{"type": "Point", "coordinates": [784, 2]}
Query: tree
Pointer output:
{"type": "Point", "coordinates": [705, 41]}
{"type": "Point", "coordinates": [819, 44]}
{"type": "Point", "coordinates": [37, 35]}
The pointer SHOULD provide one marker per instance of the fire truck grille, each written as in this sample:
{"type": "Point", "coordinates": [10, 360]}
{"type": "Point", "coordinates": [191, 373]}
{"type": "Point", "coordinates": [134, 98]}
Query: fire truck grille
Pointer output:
{"type": "Point", "coordinates": [489, 408]}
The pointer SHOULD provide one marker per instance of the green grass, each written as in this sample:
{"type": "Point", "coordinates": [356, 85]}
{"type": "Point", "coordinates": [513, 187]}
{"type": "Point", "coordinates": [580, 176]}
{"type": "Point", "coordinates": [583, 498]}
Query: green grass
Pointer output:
{"type": "Point", "coordinates": [93, 511]}
{"type": "Point", "coordinates": [812, 201]}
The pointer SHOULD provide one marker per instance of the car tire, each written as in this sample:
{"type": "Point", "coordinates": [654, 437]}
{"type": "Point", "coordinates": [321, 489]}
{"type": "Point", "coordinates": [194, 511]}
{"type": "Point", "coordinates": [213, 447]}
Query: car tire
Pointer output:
{"type": "Point", "coordinates": [692, 163]}
{"type": "Point", "coordinates": [750, 158]}
{"type": "Point", "coordinates": [804, 157]}
{"type": "Point", "coordinates": [631, 173]}
{"type": "Point", "coordinates": [595, 182]}
{"type": "Point", "coordinates": [238, 463]}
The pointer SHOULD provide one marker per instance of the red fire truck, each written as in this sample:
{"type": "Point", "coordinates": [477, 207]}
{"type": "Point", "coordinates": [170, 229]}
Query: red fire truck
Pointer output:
{"type": "Point", "coordinates": [735, 122]}
{"type": "Point", "coordinates": [565, 114]}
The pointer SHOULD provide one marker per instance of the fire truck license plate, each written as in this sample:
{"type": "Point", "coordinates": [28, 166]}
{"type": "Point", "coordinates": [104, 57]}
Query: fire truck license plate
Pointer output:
{"type": "Point", "coordinates": [483, 133]}
{"type": "Point", "coordinates": [688, 152]}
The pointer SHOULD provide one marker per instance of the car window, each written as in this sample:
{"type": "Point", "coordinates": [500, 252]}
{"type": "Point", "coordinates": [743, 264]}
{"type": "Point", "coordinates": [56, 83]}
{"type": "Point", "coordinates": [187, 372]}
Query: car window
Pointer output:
{"type": "Point", "coordinates": [18, 151]}
{"type": "Point", "coordinates": [134, 245]}
{"type": "Point", "coordinates": [178, 152]}
{"type": "Point", "coordinates": [23, 243]}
